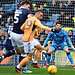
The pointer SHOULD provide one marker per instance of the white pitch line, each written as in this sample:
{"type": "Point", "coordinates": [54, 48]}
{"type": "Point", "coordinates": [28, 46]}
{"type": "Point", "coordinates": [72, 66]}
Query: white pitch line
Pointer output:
{"type": "Point", "coordinates": [67, 69]}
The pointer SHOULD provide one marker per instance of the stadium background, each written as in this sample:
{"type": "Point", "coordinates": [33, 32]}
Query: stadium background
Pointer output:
{"type": "Point", "coordinates": [63, 10]}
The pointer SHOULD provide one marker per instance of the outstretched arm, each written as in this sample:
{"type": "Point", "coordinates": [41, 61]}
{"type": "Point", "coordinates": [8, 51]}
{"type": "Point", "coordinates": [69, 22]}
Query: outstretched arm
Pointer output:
{"type": "Point", "coordinates": [40, 25]}
{"type": "Point", "coordinates": [47, 39]}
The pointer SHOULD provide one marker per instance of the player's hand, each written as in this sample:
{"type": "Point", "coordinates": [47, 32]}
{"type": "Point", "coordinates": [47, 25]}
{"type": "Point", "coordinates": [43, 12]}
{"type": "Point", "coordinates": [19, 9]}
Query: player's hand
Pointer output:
{"type": "Point", "coordinates": [73, 49]}
{"type": "Point", "coordinates": [49, 29]}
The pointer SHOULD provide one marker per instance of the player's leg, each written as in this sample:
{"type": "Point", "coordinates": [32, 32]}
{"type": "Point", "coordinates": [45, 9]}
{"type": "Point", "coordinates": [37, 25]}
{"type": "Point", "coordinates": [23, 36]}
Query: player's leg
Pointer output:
{"type": "Point", "coordinates": [48, 59]}
{"type": "Point", "coordinates": [52, 54]}
{"type": "Point", "coordinates": [53, 58]}
{"type": "Point", "coordinates": [36, 58]}
{"type": "Point", "coordinates": [69, 42]}
{"type": "Point", "coordinates": [25, 60]}
{"type": "Point", "coordinates": [37, 55]}
{"type": "Point", "coordinates": [8, 49]}
{"type": "Point", "coordinates": [26, 68]}
{"type": "Point", "coordinates": [19, 46]}
{"type": "Point", "coordinates": [51, 49]}
{"type": "Point", "coordinates": [37, 52]}
{"type": "Point", "coordinates": [8, 53]}
{"type": "Point", "coordinates": [65, 47]}
{"type": "Point", "coordinates": [15, 40]}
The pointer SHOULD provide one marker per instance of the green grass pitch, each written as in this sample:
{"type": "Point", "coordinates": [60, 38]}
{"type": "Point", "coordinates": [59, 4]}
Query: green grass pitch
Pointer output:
{"type": "Point", "coordinates": [9, 70]}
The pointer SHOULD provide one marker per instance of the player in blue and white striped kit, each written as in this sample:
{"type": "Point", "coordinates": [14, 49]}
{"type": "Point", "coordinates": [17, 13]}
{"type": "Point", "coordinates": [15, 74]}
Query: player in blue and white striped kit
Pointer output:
{"type": "Point", "coordinates": [20, 16]}
{"type": "Point", "coordinates": [59, 40]}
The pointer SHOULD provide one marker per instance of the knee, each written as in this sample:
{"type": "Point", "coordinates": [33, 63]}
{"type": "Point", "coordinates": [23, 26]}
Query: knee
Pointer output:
{"type": "Point", "coordinates": [30, 56]}
{"type": "Point", "coordinates": [38, 47]}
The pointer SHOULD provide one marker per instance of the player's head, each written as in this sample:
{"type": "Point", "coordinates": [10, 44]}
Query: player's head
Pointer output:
{"type": "Point", "coordinates": [26, 4]}
{"type": "Point", "coordinates": [58, 25]}
{"type": "Point", "coordinates": [39, 14]}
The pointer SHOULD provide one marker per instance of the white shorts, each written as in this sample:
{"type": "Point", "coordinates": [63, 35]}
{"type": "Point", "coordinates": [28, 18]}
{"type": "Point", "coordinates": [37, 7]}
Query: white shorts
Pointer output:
{"type": "Point", "coordinates": [16, 39]}
{"type": "Point", "coordinates": [28, 46]}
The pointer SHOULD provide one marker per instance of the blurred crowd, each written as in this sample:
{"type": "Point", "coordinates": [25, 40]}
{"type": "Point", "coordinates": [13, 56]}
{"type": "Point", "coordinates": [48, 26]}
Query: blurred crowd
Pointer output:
{"type": "Point", "coordinates": [54, 10]}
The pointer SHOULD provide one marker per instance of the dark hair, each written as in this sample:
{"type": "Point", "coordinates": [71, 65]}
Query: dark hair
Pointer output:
{"type": "Point", "coordinates": [24, 2]}
{"type": "Point", "coordinates": [58, 22]}
{"type": "Point", "coordinates": [39, 10]}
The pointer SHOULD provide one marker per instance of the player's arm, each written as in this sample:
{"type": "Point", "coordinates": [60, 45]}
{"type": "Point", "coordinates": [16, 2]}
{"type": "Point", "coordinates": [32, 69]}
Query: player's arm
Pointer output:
{"type": "Point", "coordinates": [22, 27]}
{"type": "Point", "coordinates": [26, 25]}
{"type": "Point", "coordinates": [47, 39]}
{"type": "Point", "coordinates": [65, 36]}
{"type": "Point", "coordinates": [40, 25]}
{"type": "Point", "coordinates": [70, 42]}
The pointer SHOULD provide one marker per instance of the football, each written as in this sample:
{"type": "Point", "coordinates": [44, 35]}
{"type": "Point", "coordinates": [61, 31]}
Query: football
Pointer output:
{"type": "Point", "coordinates": [52, 69]}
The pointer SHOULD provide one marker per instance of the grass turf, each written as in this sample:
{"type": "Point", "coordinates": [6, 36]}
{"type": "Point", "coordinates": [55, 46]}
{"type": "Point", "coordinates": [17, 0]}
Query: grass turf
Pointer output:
{"type": "Point", "coordinates": [7, 70]}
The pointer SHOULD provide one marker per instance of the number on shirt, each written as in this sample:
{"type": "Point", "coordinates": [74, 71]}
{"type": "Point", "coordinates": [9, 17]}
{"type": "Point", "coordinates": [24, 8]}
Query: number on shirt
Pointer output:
{"type": "Point", "coordinates": [16, 18]}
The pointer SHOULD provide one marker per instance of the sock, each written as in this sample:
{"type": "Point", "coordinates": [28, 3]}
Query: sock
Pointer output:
{"type": "Point", "coordinates": [70, 58]}
{"type": "Point", "coordinates": [53, 57]}
{"type": "Point", "coordinates": [35, 62]}
{"type": "Point", "coordinates": [44, 58]}
{"type": "Point", "coordinates": [18, 66]}
{"type": "Point", "coordinates": [48, 58]}
{"type": "Point", "coordinates": [45, 55]}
